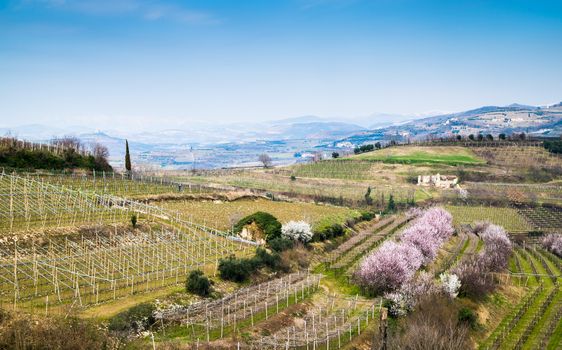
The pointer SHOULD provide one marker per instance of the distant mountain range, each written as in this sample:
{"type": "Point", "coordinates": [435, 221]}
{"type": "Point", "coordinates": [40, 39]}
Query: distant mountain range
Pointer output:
{"type": "Point", "coordinates": [515, 118]}
{"type": "Point", "coordinates": [240, 142]}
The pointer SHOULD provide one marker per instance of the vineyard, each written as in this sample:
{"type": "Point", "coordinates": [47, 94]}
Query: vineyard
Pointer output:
{"type": "Point", "coordinates": [345, 257]}
{"type": "Point", "coordinates": [518, 156]}
{"type": "Point", "coordinates": [222, 215]}
{"type": "Point", "coordinates": [95, 270]}
{"type": "Point", "coordinates": [546, 219]}
{"type": "Point", "coordinates": [535, 322]}
{"type": "Point", "coordinates": [118, 184]}
{"type": "Point", "coordinates": [214, 319]}
{"type": "Point", "coordinates": [322, 320]}
{"type": "Point", "coordinates": [82, 242]}
{"type": "Point", "coordinates": [29, 204]}
{"type": "Point", "coordinates": [318, 189]}
{"type": "Point", "coordinates": [46, 273]}
{"type": "Point", "coordinates": [336, 169]}
{"type": "Point", "coordinates": [508, 218]}
{"type": "Point", "coordinates": [515, 193]}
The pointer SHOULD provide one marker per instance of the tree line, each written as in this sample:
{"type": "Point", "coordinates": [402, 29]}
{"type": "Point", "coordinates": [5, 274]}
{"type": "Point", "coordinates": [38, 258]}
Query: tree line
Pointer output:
{"type": "Point", "coordinates": [72, 155]}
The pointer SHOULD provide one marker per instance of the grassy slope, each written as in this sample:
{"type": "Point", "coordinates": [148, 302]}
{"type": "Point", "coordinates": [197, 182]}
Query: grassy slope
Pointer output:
{"type": "Point", "coordinates": [423, 155]}
{"type": "Point", "coordinates": [222, 215]}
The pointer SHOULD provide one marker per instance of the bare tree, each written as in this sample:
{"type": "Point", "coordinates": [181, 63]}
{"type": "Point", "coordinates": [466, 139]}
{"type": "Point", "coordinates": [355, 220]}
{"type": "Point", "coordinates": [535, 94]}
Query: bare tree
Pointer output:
{"type": "Point", "coordinates": [100, 151]}
{"type": "Point", "coordinates": [68, 142]}
{"type": "Point", "coordinates": [265, 160]}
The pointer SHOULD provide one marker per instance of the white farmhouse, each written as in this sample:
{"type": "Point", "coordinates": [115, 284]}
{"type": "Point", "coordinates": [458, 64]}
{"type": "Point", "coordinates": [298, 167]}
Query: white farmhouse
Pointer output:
{"type": "Point", "coordinates": [441, 181]}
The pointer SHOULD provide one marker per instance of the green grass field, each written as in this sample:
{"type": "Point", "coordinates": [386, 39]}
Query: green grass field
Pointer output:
{"type": "Point", "coordinates": [452, 156]}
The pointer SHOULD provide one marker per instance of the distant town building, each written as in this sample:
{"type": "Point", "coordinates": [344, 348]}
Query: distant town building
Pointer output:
{"type": "Point", "coordinates": [441, 181]}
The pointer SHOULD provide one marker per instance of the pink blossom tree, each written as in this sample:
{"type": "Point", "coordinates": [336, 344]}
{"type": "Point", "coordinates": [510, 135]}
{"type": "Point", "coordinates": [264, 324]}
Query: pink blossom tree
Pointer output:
{"type": "Point", "coordinates": [394, 264]}
{"type": "Point", "coordinates": [389, 267]}
{"type": "Point", "coordinates": [553, 243]}
{"type": "Point", "coordinates": [474, 272]}
{"type": "Point", "coordinates": [497, 247]}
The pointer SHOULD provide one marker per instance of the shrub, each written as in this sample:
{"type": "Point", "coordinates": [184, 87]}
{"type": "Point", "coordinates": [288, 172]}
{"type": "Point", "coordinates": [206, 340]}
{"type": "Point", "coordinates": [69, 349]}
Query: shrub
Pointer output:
{"type": "Point", "coordinates": [270, 226]}
{"type": "Point", "coordinates": [554, 146]}
{"type": "Point", "coordinates": [136, 319]}
{"type": "Point", "coordinates": [468, 317]}
{"type": "Point", "coordinates": [280, 244]}
{"type": "Point", "coordinates": [263, 258]}
{"type": "Point", "coordinates": [20, 331]}
{"type": "Point", "coordinates": [233, 269]}
{"type": "Point", "coordinates": [297, 231]}
{"type": "Point", "coordinates": [294, 259]}
{"type": "Point", "coordinates": [198, 283]}
{"type": "Point", "coordinates": [433, 325]}
{"type": "Point", "coordinates": [553, 243]}
{"type": "Point", "coordinates": [366, 216]}
{"type": "Point", "coordinates": [238, 270]}
{"type": "Point", "coordinates": [134, 220]}
{"type": "Point", "coordinates": [328, 232]}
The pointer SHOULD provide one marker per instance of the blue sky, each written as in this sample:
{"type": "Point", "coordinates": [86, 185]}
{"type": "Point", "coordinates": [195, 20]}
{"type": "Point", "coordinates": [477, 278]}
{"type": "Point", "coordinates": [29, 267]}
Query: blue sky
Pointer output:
{"type": "Point", "coordinates": [160, 63]}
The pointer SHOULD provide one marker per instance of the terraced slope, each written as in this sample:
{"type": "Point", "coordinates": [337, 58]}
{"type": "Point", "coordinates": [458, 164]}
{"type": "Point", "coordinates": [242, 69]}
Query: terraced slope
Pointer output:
{"type": "Point", "coordinates": [533, 323]}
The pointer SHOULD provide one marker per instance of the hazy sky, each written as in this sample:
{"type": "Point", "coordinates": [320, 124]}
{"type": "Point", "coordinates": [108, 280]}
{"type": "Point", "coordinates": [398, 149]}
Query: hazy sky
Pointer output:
{"type": "Point", "coordinates": [107, 62]}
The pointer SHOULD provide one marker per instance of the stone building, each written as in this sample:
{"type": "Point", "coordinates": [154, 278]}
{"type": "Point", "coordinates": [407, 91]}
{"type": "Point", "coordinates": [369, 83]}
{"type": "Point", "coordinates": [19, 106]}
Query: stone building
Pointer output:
{"type": "Point", "coordinates": [441, 181]}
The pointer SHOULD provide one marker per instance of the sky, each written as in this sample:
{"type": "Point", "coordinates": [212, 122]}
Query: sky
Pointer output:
{"type": "Point", "coordinates": [149, 64]}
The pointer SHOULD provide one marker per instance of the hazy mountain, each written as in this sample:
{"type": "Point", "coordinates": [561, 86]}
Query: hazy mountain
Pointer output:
{"type": "Point", "coordinates": [213, 145]}
{"type": "Point", "coordinates": [514, 118]}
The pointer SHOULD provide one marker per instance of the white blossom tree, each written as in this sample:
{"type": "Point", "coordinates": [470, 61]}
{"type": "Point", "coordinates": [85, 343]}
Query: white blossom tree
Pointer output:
{"type": "Point", "coordinates": [451, 284]}
{"type": "Point", "coordinates": [297, 231]}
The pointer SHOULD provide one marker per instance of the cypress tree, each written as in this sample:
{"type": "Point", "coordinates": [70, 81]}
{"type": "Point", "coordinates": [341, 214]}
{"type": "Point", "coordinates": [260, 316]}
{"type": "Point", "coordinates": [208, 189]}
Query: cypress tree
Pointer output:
{"type": "Point", "coordinates": [127, 157]}
{"type": "Point", "coordinates": [391, 206]}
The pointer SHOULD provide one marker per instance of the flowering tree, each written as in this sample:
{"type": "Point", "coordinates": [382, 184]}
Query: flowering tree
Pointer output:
{"type": "Point", "coordinates": [394, 264]}
{"type": "Point", "coordinates": [421, 237]}
{"type": "Point", "coordinates": [451, 284]}
{"type": "Point", "coordinates": [474, 272]}
{"type": "Point", "coordinates": [429, 232]}
{"type": "Point", "coordinates": [440, 220]}
{"type": "Point", "coordinates": [405, 299]}
{"type": "Point", "coordinates": [473, 275]}
{"type": "Point", "coordinates": [297, 231]}
{"type": "Point", "coordinates": [497, 247]}
{"type": "Point", "coordinates": [553, 243]}
{"type": "Point", "coordinates": [389, 267]}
